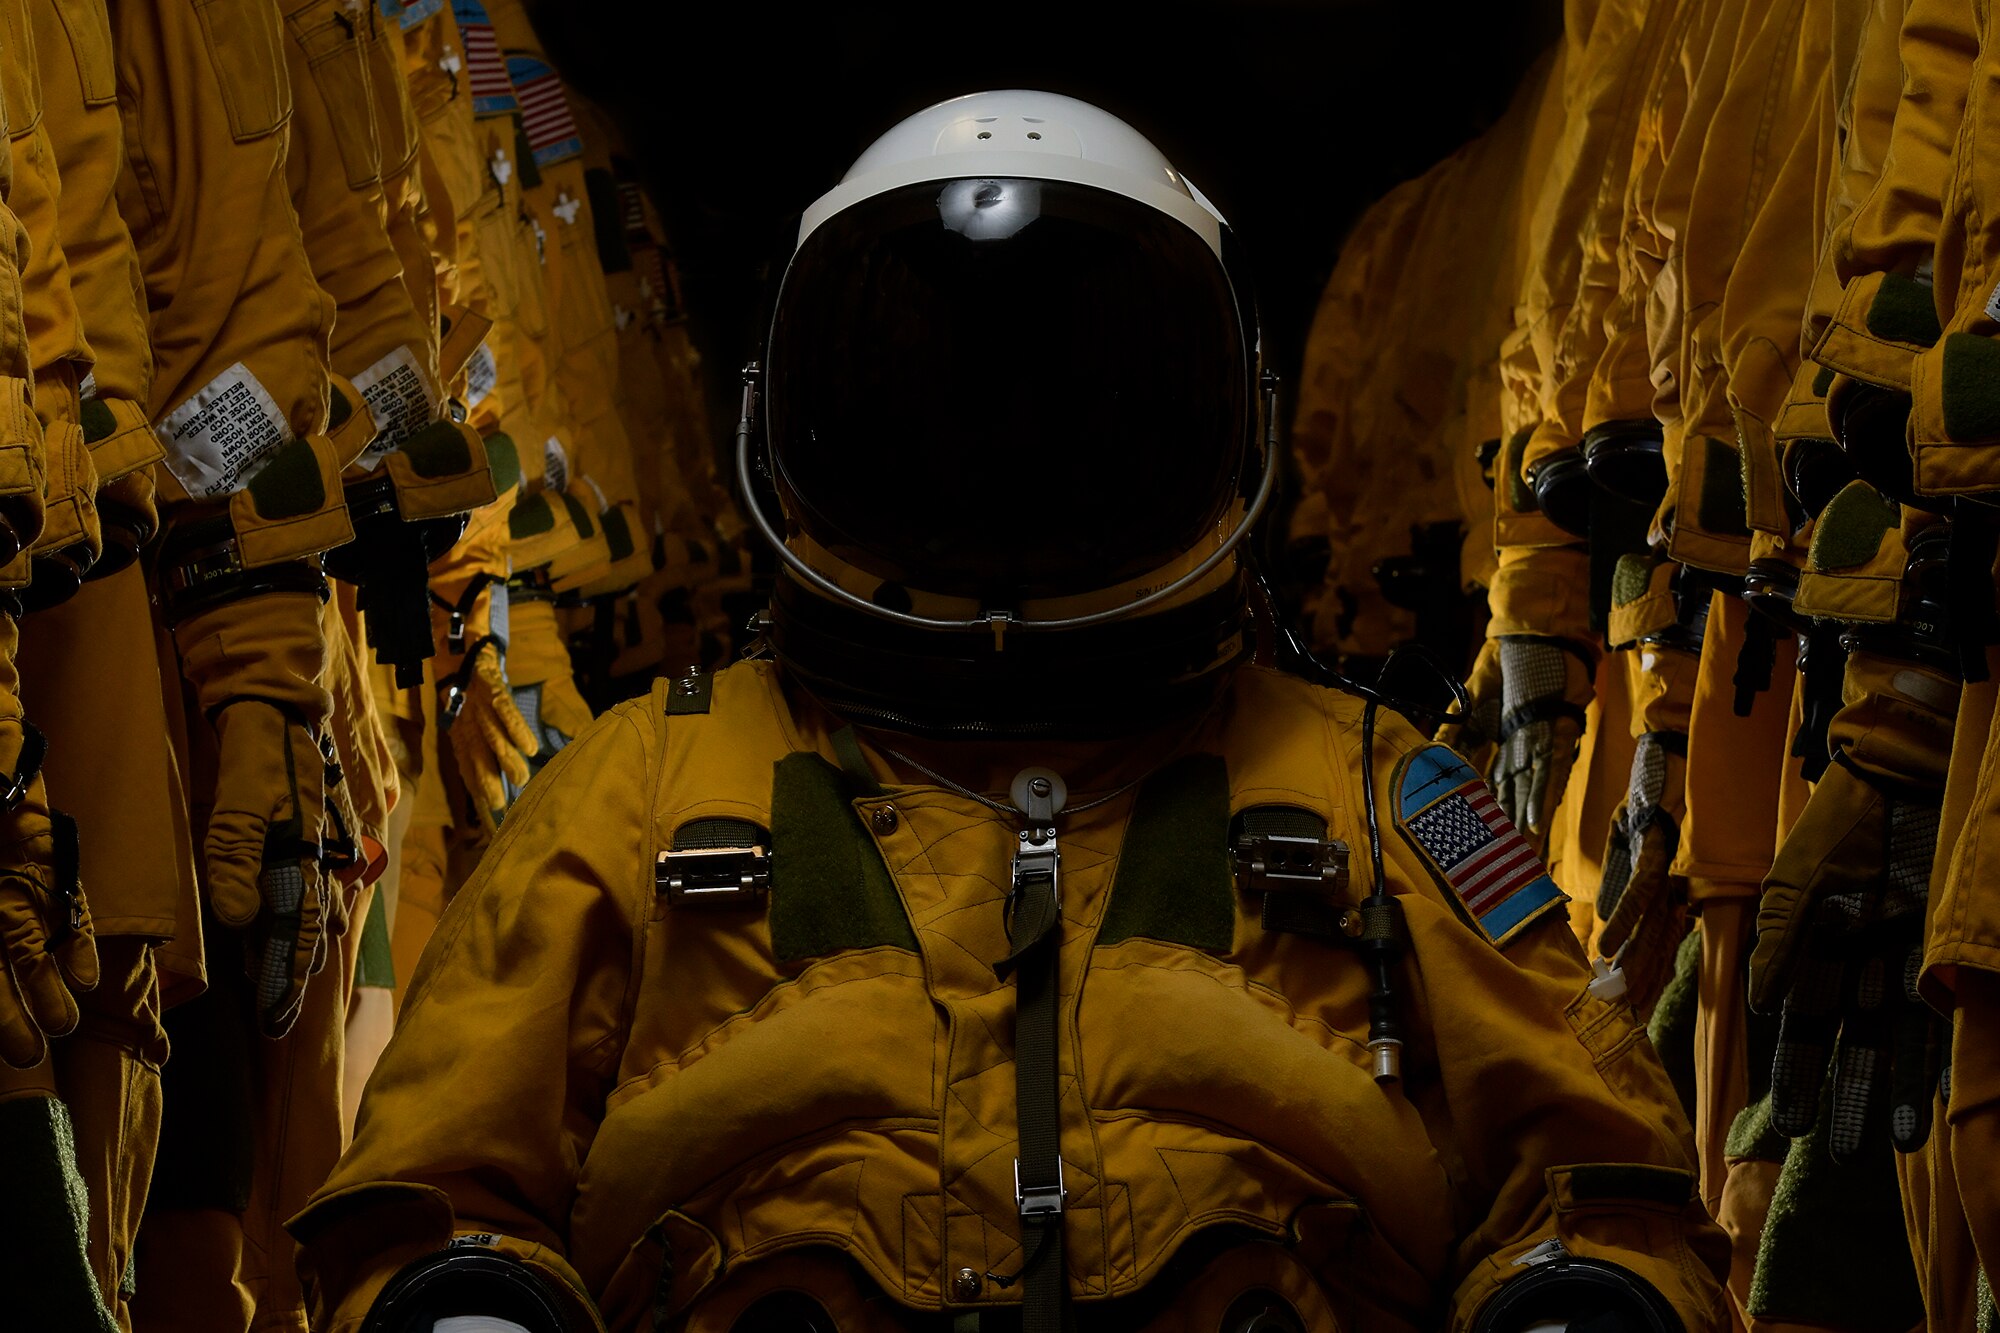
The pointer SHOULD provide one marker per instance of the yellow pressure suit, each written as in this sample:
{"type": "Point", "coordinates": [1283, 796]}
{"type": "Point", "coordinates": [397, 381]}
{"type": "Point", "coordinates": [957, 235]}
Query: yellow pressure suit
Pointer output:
{"type": "Point", "coordinates": [675, 1111]}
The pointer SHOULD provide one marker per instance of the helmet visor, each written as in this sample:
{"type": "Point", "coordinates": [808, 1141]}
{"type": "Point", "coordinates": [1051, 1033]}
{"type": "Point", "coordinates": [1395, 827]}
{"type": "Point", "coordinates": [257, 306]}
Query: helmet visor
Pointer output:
{"type": "Point", "coordinates": [1007, 389]}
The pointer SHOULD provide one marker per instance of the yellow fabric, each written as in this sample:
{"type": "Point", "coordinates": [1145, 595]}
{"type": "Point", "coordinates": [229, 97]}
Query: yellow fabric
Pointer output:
{"type": "Point", "coordinates": [20, 433]}
{"type": "Point", "coordinates": [1973, 1115]}
{"type": "Point", "coordinates": [90, 668]}
{"type": "Point", "coordinates": [795, 1100]}
{"type": "Point", "coordinates": [107, 1073]}
{"type": "Point", "coordinates": [1895, 227]}
{"type": "Point", "coordinates": [57, 350]}
{"type": "Point", "coordinates": [1736, 766]}
{"type": "Point", "coordinates": [49, 947]}
{"type": "Point", "coordinates": [1957, 448]}
{"type": "Point", "coordinates": [1579, 220]}
{"type": "Point", "coordinates": [206, 105]}
{"type": "Point", "coordinates": [255, 667]}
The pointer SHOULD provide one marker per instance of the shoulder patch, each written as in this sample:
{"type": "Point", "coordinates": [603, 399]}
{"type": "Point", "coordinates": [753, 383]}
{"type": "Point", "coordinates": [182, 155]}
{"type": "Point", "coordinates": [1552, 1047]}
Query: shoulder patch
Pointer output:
{"type": "Point", "coordinates": [485, 68]}
{"type": "Point", "coordinates": [545, 113]}
{"type": "Point", "coordinates": [1448, 814]}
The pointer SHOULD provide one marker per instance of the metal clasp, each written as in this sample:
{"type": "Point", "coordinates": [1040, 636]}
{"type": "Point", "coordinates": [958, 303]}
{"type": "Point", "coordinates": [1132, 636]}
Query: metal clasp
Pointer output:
{"type": "Point", "coordinates": [713, 876]}
{"type": "Point", "coordinates": [1278, 863]}
{"type": "Point", "coordinates": [1040, 1201]}
{"type": "Point", "coordinates": [1038, 859]}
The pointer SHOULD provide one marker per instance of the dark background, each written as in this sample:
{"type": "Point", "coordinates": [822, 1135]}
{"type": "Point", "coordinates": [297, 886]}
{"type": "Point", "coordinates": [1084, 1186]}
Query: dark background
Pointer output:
{"type": "Point", "coordinates": [1291, 116]}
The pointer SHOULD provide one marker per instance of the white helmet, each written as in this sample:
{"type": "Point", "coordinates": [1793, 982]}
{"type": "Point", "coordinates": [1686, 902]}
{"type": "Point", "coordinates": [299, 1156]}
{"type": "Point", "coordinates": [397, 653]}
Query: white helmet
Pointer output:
{"type": "Point", "coordinates": [1010, 395]}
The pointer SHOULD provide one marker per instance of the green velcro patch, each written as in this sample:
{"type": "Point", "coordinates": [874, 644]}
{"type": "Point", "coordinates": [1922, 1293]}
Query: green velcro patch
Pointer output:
{"type": "Point", "coordinates": [579, 515]}
{"type": "Point", "coordinates": [1903, 311]}
{"type": "Point", "coordinates": [338, 409]}
{"type": "Point", "coordinates": [439, 450]}
{"type": "Point", "coordinates": [1989, 1315]}
{"type": "Point", "coordinates": [1719, 508]}
{"type": "Point", "coordinates": [1672, 1025]}
{"type": "Point", "coordinates": [1752, 1138]}
{"type": "Point", "coordinates": [530, 516]}
{"type": "Point", "coordinates": [1851, 528]}
{"type": "Point", "coordinates": [617, 533]}
{"type": "Point", "coordinates": [1970, 388]}
{"type": "Point", "coordinates": [289, 484]}
{"type": "Point", "coordinates": [1834, 1251]}
{"type": "Point", "coordinates": [504, 458]}
{"type": "Point", "coordinates": [613, 255]}
{"type": "Point", "coordinates": [1630, 1181]}
{"type": "Point", "coordinates": [704, 834]}
{"type": "Point", "coordinates": [97, 420]}
{"type": "Point", "coordinates": [830, 890]}
{"type": "Point", "coordinates": [1631, 579]}
{"type": "Point", "coordinates": [44, 1210]}
{"type": "Point", "coordinates": [1519, 493]}
{"type": "Point", "coordinates": [378, 965]}
{"type": "Point", "coordinates": [1822, 381]}
{"type": "Point", "coordinates": [1173, 882]}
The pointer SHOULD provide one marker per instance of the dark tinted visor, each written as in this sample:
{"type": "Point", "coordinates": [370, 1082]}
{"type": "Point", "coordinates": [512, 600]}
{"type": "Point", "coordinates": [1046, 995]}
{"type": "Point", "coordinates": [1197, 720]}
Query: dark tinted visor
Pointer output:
{"type": "Point", "coordinates": [1007, 388]}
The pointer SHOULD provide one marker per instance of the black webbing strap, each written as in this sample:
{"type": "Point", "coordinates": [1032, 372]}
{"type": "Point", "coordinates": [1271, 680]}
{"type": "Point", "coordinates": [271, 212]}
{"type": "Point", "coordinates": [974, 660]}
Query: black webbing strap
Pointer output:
{"type": "Point", "coordinates": [1033, 940]}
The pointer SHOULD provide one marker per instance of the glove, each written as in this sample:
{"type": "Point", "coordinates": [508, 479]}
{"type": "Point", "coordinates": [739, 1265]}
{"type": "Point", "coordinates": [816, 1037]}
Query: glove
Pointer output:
{"type": "Point", "coordinates": [45, 930]}
{"type": "Point", "coordinates": [1840, 928]}
{"type": "Point", "coordinates": [1545, 687]}
{"type": "Point", "coordinates": [1643, 908]}
{"type": "Point", "coordinates": [490, 739]}
{"type": "Point", "coordinates": [255, 666]}
{"type": "Point", "coordinates": [543, 688]}
{"type": "Point", "coordinates": [1839, 946]}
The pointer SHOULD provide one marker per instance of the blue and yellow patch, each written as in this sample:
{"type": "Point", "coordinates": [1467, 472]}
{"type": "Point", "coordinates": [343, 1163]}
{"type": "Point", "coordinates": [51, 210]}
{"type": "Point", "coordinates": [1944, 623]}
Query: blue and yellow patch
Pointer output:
{"type": "Point", "coordinates": [1447, 813]}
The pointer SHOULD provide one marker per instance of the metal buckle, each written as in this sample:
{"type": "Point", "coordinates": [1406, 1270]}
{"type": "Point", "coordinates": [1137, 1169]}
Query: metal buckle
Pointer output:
{"type": "Point", "coordinates": [1278, 863]}
{"type": "Point", "coordinates": [1040, 1201]}
{"type": "Point", "coordinates": [1039, 858]}
{"type": "Point", "coordinates": [713, 876]}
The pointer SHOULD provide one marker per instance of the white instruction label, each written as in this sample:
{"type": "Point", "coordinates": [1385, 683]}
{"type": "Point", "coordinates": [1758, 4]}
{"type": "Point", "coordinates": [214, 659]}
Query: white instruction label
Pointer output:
{"type": "Point", "coordinates": [1993, 304]}
{"type": "Point", "coordinates": [482, 372]}
{"type": "Point", "coordinates": [399, 399]}
{"type": "Point", "coordinates": [217, 440]}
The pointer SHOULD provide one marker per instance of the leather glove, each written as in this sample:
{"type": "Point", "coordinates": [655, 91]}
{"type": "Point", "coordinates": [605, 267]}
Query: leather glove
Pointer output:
{"type": "Point", "coordinates": [1840, 928]}
{"type": "Point", "coordinates": [543, 687]}
{"type": "Point", "coordinates": [46, 939]}
{"type": "Point", "coordinates": [255, 665]}
{"type": "Point", "coordinates": [490, 739]}
{"type": "Point", "coordinates": [1545, 685]}
{"type": "Point", "coordinates": [1643, 908]}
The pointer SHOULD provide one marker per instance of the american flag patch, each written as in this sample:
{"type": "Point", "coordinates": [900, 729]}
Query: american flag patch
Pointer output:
{"type": "Point", "coordinates": [545, 113]}
{"type": "Point", "coordinates": [485, 68]}
{"type": "Point", "coordinates": [1447, 812]}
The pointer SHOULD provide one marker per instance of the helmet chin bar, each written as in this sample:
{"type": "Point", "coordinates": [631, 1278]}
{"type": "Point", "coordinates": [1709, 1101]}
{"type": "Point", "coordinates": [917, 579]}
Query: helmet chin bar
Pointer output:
{"type": "Point", "coordinates": [1001, 623]}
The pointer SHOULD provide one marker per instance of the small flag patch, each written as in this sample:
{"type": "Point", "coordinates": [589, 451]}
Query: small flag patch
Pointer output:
{"type": "Point", "coordinates": [545, 113]}
{"type": "Point", "coordinates": [492, 90]}
{"type": "Point", "coordinates": [1447, 812]}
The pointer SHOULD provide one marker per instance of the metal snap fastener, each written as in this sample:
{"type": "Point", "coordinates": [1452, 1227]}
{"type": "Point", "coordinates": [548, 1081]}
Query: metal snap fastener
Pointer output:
{"type": "Point", "coordinates": [885, 820]}
{"type": "Point", "coordinates": [1351, 924]}
{"type": "Point", "coordinates": [965, 1285]}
